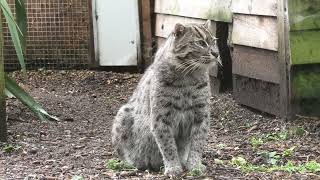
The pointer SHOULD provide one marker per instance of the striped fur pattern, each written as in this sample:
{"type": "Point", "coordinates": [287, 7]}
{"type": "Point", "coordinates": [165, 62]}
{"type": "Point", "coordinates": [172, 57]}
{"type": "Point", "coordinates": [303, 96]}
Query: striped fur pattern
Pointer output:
{"type": "Point", "coordinates": [166, 121]}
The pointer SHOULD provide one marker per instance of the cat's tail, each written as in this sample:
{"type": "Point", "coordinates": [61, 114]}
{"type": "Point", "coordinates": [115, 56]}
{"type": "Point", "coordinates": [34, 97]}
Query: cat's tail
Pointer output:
{"type": "Point", "coordinates": [122, 129]}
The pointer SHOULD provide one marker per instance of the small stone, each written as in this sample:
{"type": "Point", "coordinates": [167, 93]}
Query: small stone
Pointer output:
{"type": "Point", "coordinates": [36, 162]}
{"type": "Point", "coordinates": [63, 72]}
{"type": "Point", "coordinates": [33, 150]}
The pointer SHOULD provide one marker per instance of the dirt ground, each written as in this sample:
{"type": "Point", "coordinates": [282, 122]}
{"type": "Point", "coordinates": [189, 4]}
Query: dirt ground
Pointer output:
{"type": "Point", "coordinates": [87, 101]}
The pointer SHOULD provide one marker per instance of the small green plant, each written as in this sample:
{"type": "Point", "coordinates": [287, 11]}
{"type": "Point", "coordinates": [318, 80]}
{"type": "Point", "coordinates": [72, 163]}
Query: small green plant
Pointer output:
{"type": "Point", "coordinates": [77, 178]}
{"type": "Point", "coordinates": [271, 157]}
{"type": "Point", "coordinates": [218, 161]}
{"type": "Point", "coordinates": [299, 132]}
{"type": "Point", "coordinates": [10, 148]}
{"type": "Point", "coordinates": [221, 146]}
{"type": "Point", "coordinates": [255, 142]}
{"type": "Point", "coordinates": [118, 165]}
{"type": "Point", "coordinates": [288, 152]}
{"type": "Point", "coordinates": [198, 170]}
{"type": "Point", "coordinates": [313, 166]}
{"type": "Point", "coordinates": [238, 161]}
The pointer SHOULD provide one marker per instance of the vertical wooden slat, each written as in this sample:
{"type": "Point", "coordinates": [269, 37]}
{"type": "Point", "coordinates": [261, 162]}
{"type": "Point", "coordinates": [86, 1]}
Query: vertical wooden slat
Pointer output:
{"type": "Point", "coordinates": [91, 60]}
{"type": "Point", "coordinates": [283, 56]}
{"type": "Point", "coordinates": [146, 31]}
{"type": "Point", "coordinates": [3, 123]}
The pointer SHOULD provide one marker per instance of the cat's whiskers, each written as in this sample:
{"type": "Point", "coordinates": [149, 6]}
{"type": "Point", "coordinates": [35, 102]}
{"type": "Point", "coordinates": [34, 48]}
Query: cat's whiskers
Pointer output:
{"type": "Point", "coordinates": [195, 67]}
{"type": "Point", "coordinates": [182, 65]}
{"type": "Point", "coordinates": [189, 68]}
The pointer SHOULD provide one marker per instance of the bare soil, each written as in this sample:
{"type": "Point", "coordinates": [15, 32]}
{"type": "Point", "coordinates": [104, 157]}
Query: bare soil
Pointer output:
{"type": "Point", "coordinates": [87, 101]}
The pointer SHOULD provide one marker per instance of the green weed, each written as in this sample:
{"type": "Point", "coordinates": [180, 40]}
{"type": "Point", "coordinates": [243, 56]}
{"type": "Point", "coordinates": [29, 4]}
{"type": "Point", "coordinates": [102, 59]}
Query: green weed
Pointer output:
{"type": "Point", "coordinates": [255, 142]}
{"type": "Point", "coordinates": [288, 152]}
{"type": "Point", "coordinates": [310, 167]}
{"type": "Point", "coordinates": [198, 170]}
{"type": "Point", "coordinates": [118, 165]}
{"type": "Point", "coordinates": [77, 178]}
{"type": "Point", "coordinates": [10, 148]}
{"type": "Point", "coordinates": [221, 146]}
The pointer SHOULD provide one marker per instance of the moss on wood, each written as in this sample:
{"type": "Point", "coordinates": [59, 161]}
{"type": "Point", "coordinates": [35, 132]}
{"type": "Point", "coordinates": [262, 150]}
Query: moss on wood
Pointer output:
{"type": "Point", "coordinates": [304, 14]}
{"type": "Point", "coordinates": [305, 47]}
{"type": "Point", "coordinates": [306, 88]}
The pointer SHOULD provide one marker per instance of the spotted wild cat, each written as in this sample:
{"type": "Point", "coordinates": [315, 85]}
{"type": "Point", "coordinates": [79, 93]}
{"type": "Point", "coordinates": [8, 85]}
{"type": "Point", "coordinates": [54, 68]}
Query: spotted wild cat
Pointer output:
{"type": "Point", "coordinates": [166, 121]}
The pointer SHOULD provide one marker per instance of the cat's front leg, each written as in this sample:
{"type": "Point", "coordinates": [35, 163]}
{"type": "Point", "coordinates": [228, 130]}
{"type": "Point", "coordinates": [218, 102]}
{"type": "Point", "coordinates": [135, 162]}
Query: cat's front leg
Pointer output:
{"type": "Point", "coordinates": [163, 134]}
{"type": "Point", "coordinates": [199, 133]}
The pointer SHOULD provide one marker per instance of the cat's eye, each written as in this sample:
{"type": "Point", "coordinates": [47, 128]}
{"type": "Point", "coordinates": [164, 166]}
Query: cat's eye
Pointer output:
{"type": "Point", "coordinates": [201, 43]}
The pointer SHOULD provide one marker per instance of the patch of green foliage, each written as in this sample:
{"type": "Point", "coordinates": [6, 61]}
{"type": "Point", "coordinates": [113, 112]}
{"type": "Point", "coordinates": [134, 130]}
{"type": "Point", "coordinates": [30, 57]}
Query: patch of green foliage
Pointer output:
{"type": "Point", "coordinates": [240, 162]}
{"type": "Point", "coordinates": [255, 141]}
{"type": "Point", "coordinates": [221, 146]}
{"type": "Point", "coordinates": [118, 165]}
{"type": "Point", "coordinates": [271, 157]}
{"type": "Point", "coordinates": [218, 161]}
{"type": "Point", "coordinates": [198, 170]}
{"type": "Point", "coordinates": [77, 178]}
{"type": "Point", "coordinates": [8, 148]}
{"type": "Point", "coordinates": [296, 132]}
{"type": "Point", "coordinates": [280, 136]}
{"type": "Point", "coordinates": [288, 152]}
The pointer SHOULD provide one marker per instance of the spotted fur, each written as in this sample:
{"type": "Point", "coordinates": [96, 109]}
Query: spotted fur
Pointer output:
{"type": "Point", "coordinates": [166, 121]}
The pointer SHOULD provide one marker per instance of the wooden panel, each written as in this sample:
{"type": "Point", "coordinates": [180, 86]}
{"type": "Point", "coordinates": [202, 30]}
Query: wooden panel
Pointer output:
{"type": "Point", "coordinates": [255, 31]}
{"type": "Point", "coordinates": [3, 116]}
{"type": "Point", "coordinates": [204, 9]}
{"type": "Point", "coordinates": [257, 94]}
{"type": "Point", "coordinates": [165, 24]}
{"type": "Point", "coordinates": [146, 27]}
{"type": "Point", "coordinates": [305, 47]}
{"type": "Point", "coordinates": [256, 63]}
{"type": "Point", "coordinates": [304, 15]}
{"type": "Point", "coordinates": [284, 57]}
{"type": "Point", "coordinates": [257, 7]}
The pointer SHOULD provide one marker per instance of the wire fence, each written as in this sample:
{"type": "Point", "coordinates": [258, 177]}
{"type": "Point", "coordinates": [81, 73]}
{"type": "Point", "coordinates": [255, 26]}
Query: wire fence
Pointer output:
{"type": "Point", "coordinates": [58, 35]}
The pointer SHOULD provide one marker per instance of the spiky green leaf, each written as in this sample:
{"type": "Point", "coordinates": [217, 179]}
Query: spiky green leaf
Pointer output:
{"type": "Point", "coordinates": [22, 21]}
{"type": "Point", "coordinates": [26, 99]}
{"type": "Point", "coordinates": [13, 28]}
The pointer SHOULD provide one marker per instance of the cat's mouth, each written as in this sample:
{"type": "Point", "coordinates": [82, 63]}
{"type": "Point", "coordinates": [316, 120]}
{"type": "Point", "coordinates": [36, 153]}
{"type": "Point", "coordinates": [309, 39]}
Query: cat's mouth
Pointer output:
{"type": "Point", "coordinates": [210, 59]}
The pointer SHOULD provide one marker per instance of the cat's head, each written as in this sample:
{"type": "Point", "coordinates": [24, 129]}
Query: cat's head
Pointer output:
{"type": "Point", "coordinates": [195, 46]}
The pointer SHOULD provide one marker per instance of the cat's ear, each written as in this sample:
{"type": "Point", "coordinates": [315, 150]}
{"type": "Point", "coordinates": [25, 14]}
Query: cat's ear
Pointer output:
{"type": "Point", "coordinates": [179, 30]}
{"type": "Point", "coordinates": [208, 24]}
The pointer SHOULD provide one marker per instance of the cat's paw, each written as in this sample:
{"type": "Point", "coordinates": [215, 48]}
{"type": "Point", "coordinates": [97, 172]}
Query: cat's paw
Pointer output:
{"type": "Point", "coordinates": [173, 171]}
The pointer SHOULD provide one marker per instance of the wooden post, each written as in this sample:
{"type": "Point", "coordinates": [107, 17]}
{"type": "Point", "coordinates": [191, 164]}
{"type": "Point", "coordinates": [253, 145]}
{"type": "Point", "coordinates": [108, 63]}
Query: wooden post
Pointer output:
{"type": "Point", "coordinates": [146, 11]}
{"type": "Point", "coordinates": [3, 116]}
{"type": "Point", "coordinates": [283, 57]}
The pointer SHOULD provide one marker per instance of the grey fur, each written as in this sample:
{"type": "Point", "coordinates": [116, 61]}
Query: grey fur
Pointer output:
{"type": "Point", "coordinates": [167, 119]}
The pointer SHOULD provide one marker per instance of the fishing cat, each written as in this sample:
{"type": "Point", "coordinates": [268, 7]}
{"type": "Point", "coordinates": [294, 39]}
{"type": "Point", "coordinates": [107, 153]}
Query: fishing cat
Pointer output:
{"type": "Point", "coordinates": [166, 121]}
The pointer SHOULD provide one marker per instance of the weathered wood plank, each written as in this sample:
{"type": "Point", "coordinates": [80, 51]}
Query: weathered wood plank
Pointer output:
{"type": "Point", "coordinates": [283, 57]}
{"type": "Point", "coordinates": [256, 7]}
{"type": "Point", "coordinates": [260, 95]}
{"type": "Point", "coordinates": [256, 63]}
{"type": "Point", "coordinates": [255, 31]}
{"type": "Point", "coordinates": [3, 116]}
{"type": "Point", "coordinates": [146, 27]}
{"type": "Point", "coordinates": [165, 24]}
{"type": "Point", "coordinates": [204, 9]}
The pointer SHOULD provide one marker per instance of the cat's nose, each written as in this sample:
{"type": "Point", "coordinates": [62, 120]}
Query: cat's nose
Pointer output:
{"type": "Point", "coordinates": [214, 53]}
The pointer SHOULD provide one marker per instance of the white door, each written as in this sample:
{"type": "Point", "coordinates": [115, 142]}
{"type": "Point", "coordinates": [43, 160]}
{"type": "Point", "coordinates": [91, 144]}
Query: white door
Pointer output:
{"type": "Point", "coordinates": [117, 23]}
